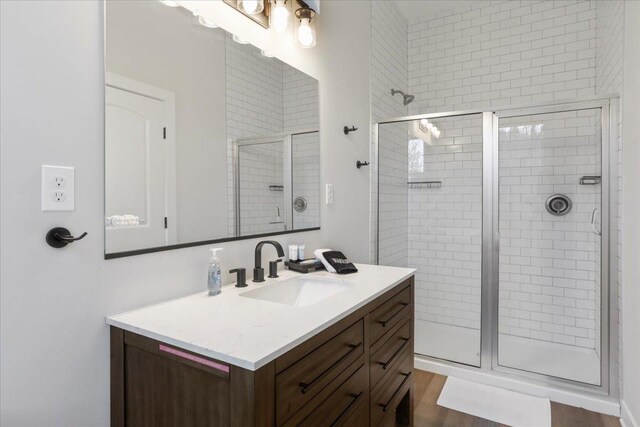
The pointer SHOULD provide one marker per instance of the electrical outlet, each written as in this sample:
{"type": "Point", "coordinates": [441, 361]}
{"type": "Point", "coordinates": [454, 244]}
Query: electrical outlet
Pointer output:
{"type": "Point", "coordinates": [59, 196]}
{"type": "Point", "coordinates": [60, 181]}
{"type": "Point", "coordinates": [57, 188]}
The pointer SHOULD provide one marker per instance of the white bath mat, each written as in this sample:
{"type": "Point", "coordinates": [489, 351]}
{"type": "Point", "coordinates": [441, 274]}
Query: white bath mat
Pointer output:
{"type": "Point", "coordinates": [495, 404]}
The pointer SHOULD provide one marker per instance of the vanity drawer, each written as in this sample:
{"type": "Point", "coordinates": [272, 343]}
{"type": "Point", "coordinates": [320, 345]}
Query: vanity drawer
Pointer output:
{"type": "Point", "coordinates": [346, 406]}
{"type": "Point", "coordinates": [383, 318]}
{"type": "Point", "coordinates": [392, 350]}
{"type": "Point", "coordinates": [386, 396]}
{"type": "Point", "coordinates": [302, 381]}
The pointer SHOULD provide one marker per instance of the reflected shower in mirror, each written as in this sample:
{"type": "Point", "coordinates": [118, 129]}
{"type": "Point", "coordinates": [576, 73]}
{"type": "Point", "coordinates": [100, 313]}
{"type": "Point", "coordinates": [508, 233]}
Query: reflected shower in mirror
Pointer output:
{"type": "Point", "coordinates": [206, 139]}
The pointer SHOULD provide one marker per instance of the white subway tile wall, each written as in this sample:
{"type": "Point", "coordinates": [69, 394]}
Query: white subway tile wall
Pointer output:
{"type": "Point", "coordinates": [393, 210]}
{"type": "Point", "coordinates": [549, 264]}
{"type": "Point", "coordinates": [300, 101]}
{"type": "Point", "coordinates": [265, 97]}
{"type": "Point", "coordinates": [261, 204]}
{"type": "Point", "coordinates": [502, 53]}
{"type": "Point", "coordinates": [445, 224]}
{"type": "Point", "coordinates": [389, 62]}
{"type": "Point", "coordinates": [306, 178]}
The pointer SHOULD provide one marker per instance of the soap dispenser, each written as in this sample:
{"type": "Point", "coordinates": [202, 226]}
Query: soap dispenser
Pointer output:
{"type": "Point", "coordinates": [214, 282]}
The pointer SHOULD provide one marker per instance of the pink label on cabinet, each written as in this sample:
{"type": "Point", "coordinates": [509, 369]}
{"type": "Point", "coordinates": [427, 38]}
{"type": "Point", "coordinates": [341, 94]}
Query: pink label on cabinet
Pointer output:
{"type": "Point", "coordinates": [194, 358]}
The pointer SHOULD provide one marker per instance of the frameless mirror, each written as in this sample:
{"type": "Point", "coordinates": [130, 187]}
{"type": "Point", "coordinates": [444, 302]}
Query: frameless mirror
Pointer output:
{"type": "Point", "coordinates": [206, 139]}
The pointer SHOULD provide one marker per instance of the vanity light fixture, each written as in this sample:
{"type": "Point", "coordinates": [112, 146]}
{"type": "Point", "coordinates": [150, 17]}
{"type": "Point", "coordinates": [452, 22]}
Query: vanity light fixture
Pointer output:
{"type": "Point", "coordinates": [251, 7]}
{"type": "Point", "coordinates": [170, 3]}
{"type": "Point", "coordinates": [306, 27]}
{"type": "Point", "coordinates": [240, 40]}
{"type": "Point", "coordinates": [206, 23]}
{"type": "Point", "coordinates": [280, 16]}
{"type": "Point", "coordinates": [426, 126]}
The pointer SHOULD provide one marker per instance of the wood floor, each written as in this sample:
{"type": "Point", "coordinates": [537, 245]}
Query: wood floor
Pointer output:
{"type": "Point", "coordinates": [429, 414]}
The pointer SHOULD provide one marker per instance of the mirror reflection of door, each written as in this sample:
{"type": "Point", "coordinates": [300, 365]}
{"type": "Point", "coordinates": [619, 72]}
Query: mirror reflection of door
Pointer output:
{"type": "Point", "coordinates": [134, 171]}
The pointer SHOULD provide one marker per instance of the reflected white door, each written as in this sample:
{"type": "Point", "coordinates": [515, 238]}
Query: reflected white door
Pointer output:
{"type": "Point", "coordinates": [134, 170]}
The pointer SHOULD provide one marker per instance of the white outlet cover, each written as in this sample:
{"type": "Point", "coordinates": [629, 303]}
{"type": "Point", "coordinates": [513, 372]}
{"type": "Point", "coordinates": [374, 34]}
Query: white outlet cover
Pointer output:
{"type": "Point", "coordinates": [57, 189]}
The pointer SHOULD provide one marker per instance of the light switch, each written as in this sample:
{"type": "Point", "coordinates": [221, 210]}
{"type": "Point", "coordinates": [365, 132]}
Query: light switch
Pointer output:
{"type": "Point", "coordinates": [329, 194]}
{"type": "Point", "coordinates": [57, 188]}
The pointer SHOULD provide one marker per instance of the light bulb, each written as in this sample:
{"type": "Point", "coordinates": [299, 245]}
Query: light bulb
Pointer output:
{"type": "Point", "coordinates": [253, 7]}
{"type": "Point", "coordinates": [425, 123]}
{"type": "Point", "coordinates": [205, 22]}
{"type": "Point", "coordinates": [239, 40]}
{"type": "Point", "coordinates": [429, 126]}
{"type": "Point", "coordinates": [305, 34]}
{"type": "Point", "coordinates": [170, 3]}
{"type": "Point", "coordinates": [280, 17]}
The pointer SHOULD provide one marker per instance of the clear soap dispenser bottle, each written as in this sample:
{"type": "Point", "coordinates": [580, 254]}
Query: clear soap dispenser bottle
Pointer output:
{"type": "Point", "coordinates": [214, 282]}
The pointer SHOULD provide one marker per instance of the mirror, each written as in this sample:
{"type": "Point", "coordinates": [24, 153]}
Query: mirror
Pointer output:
{"type": "Point", "coordinates": [206, 139]}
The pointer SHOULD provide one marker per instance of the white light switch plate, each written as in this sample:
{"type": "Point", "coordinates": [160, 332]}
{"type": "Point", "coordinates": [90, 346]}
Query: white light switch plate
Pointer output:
{"type": "Point", "coordinates": [329, 194]}
{"type": "Point", "coordinates": [57, 188]}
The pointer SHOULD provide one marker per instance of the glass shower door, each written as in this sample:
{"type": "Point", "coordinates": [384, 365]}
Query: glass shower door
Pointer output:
{"type": "Point", "coordinates": [430, 218]}
{"type": "Point", "coordinates": [550, 195]}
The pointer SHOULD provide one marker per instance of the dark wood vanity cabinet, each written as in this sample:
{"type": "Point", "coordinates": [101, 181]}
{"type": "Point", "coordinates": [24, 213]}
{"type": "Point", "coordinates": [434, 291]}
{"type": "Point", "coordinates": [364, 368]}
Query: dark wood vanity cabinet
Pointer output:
{"type": "Point", "coordinates": [357, 372]}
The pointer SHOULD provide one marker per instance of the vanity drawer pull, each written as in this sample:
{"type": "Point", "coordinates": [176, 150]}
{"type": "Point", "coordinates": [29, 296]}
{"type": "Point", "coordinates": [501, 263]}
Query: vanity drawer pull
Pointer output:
{"type": "Point", "coordinates": [305, 387]}
{"type": "Point", "coordinates": [384, 323]}
{"type": "Point", "coordinates": [396, 354]}
{"type": "Point", "coordinates": [356, 400]}
{"type": "Point", "coordinates": [393, 396]}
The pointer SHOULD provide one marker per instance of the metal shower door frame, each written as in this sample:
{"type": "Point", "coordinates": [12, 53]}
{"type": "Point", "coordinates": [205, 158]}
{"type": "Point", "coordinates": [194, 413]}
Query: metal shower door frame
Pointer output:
{"type": "Point", "coordinates": [605, 258]}
{"type": "Point", "coordinates": [285, 140]}
{"type": "Point", "coordinates": [491, 238]}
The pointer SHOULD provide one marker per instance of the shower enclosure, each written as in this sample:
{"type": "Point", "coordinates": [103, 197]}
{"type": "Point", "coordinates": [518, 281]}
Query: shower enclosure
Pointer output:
{"type": "Point", "coordinates": [275, 183]}
{"type": "Point", "coordinates": [505, 214]}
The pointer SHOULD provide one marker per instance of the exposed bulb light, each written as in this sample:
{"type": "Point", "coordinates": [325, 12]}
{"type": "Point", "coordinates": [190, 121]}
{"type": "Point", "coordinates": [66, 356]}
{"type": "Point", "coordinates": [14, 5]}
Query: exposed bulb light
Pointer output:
{"type": "Point", "coordinates": [239, 40]}
{"type": "Point", "coordinates": [305, 36]}
{"type": "Point", "coordinates": [252, 7]}
{"type": "Point", "coordinates": [170, 3]}
{"type": "Point", "coordinates": [429, 125]}
{"type": "Point", "coordinates": [280, 16]}
{"type": "Point", "coordinates": [306, 32]}
{"type": "Point", "coordinates": [206, 23]}
{"type": "Point", "coordinates": [266, 54]}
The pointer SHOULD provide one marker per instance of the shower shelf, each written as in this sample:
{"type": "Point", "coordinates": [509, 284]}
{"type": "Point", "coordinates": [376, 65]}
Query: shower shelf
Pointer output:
{"type": "Point", "coordinates": [276, 187]}
{"type": "Point", "coordinates": [424, 184]}
{"type": "Point", "coordinates": [590, 180]}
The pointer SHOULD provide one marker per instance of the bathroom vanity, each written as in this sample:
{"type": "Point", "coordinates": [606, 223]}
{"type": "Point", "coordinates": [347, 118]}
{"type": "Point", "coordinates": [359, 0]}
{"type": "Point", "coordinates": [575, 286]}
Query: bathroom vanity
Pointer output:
{"type": "Point", "coordinates": [314, 349]}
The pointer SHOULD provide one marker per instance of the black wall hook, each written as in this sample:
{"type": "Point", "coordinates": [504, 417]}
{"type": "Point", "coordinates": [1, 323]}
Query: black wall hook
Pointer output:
{"type": "Point", "coordinates": [59, 237]}
{"type": "Point", "coordinates": [360, 164]}
{"type": "Point", "coordinates": [348, 129]}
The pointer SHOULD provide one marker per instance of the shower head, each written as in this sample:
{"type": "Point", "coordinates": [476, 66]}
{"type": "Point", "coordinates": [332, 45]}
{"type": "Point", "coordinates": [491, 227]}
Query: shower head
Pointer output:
{"type": "Point", "coordinates": [407, 98]}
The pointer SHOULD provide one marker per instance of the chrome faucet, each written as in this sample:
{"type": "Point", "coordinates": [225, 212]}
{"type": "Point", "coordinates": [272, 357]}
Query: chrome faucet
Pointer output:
{"type": "Point", "coordinates": [258, 271]}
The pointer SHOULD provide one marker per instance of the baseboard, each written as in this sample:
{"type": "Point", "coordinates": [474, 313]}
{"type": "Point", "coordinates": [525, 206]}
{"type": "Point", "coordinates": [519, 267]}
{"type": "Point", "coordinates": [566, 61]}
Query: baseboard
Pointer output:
{"type": "Point", "coordinates": [626, 418]}
{"type": "Point", "coordinates": [601, 404]}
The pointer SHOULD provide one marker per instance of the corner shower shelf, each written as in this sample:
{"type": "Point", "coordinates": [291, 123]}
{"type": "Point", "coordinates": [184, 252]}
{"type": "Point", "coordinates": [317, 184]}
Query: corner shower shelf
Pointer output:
{"type": "Point", "coordinates": [424, 184]}
{"type": "Point", "coordinates": [590, 180]}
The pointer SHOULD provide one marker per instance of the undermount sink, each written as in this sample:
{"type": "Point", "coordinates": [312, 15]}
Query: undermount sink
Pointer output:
{"type": "Point", "coordinates": [299, 291]}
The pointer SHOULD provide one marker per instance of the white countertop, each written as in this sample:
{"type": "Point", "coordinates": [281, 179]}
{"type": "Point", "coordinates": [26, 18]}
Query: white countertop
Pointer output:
{"type": "Point", "coordinates": [249, 332]}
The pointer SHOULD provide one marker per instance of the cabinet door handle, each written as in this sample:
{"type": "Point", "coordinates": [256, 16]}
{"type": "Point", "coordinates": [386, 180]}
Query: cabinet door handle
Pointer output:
{"type": "Point", "coordinates": [356, 398]}
{"type": "Point", "coordinates": [396, 354]}
{"type": "Point", "coordinates": [304, 387]}
{"type": "Point", "coordinates": [385, 406]}
{"type": "Point", "coordinates": [385, 322]}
